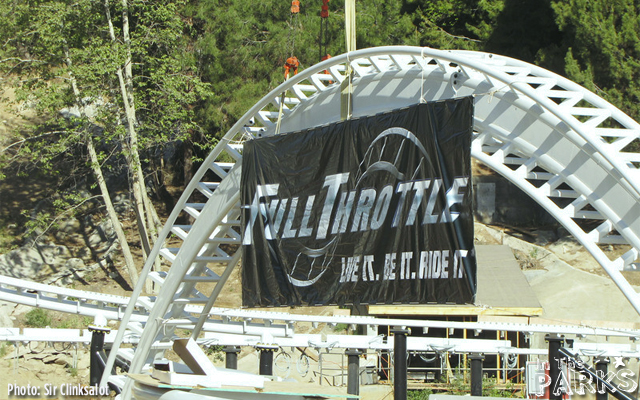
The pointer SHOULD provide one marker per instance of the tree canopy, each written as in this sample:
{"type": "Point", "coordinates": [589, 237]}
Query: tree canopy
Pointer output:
{"type": "Point", "coordinates": [601, 48]}
{"type": "Point", "coordinates": [242, 46]}
{"type": "Point", "coordinates": [111, 84]}
{"type": "Point", "coordinates": [134, 78]}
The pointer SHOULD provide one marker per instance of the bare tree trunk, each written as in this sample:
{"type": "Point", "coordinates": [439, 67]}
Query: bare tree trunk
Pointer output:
{"type": "Point", "coordinates": [104, 190]}
{"type": "Point", "coordinates": [146, 215]}
{"type": "Point", "coordinates": [143, 204]}
{"type": "Point", "coordinates": [113, 216]}
{"type": "Point", "coordinates": [153, 222]}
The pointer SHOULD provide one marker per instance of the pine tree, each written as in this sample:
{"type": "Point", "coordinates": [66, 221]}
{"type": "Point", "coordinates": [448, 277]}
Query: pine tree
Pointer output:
{"type": "Point", "coordinates": [601, 48]}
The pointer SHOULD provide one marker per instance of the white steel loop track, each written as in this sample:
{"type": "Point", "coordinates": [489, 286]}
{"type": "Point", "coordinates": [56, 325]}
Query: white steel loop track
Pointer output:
{"type": "Point", "coordinates": [561, 144]}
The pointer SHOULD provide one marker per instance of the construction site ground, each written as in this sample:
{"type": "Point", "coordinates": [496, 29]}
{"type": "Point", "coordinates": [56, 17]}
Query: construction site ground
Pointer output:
{"type": "Point", "coordinates": [570, 285]}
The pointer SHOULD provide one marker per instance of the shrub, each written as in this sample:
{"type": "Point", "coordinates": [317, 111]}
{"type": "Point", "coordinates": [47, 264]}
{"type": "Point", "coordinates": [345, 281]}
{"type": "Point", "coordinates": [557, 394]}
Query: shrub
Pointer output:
{"type": "Point", "coordinates": [37, 318]}
{"type": "Point", "coordinates": [419, 394]}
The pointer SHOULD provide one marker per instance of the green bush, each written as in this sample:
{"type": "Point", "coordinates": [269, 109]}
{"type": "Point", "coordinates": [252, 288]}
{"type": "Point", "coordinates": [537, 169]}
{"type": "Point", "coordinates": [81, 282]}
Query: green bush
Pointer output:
{"type": "Point", "coordinates": [341, 328]}
{"type": "Point", "coordinates": [37, 318]}
{"type": "Point", "coordinates": [419, 394]}
{"type": "Point", "coordinates": [216, 352]}
{"type": "Point", "coordinates": [74, 322]}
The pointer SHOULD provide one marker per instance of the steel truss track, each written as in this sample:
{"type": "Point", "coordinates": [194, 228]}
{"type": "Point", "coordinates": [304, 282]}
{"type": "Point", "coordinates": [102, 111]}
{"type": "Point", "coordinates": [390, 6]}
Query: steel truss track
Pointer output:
{"type": "Point", "coordinates": [247, 322]}
{"type": "Point", "coordinates": [561, 144]}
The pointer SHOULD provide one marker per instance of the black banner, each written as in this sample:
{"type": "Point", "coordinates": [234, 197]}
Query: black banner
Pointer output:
{"type": "Point", "coordinates": [374, 210]}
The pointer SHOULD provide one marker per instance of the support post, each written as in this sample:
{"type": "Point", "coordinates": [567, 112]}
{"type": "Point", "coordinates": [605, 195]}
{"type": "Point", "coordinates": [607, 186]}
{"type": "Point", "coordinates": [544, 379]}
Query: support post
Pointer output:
{"type": "Point", "coordinates": [231, 357]}
{"type": "Point", "coordinates": [98, 357]}
{"type": "Point", "coordinates": [353, 371]}
{"type": "Point", "coordinates": [400, 363]}
{"type": "Point", "coordinates": [266, 358]}
{"type": "Point", "coordinates": [601, 370]}
{"type": "Point", "coordinates": [555, 343]}
{"type": "Point", "coordinates": [476, 374]}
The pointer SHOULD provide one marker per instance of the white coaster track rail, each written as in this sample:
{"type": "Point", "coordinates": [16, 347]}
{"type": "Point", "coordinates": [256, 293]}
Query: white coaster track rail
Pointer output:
{"type": "Point", "coordinates": [234, 321]}
{"type": "Point", "coordinates": [561, 144]}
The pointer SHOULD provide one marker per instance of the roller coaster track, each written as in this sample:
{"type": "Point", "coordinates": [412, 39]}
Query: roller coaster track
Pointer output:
{"type": "Point", "coordinates": [238, 327]}
{"type": "Point", "coordinates": [250, 327]}
{"type": "Point", "coordinates": [239, 321]}
{"type": "Point", "coordinates": [564, 146]}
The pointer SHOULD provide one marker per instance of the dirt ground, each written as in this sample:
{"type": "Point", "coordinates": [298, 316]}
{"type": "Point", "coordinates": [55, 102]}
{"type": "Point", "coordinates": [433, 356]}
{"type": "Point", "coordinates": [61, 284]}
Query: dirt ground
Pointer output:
{"type": "Point", "coordinates": [38, 366]}
{"type": "Point", "coordinates": [42, 368]}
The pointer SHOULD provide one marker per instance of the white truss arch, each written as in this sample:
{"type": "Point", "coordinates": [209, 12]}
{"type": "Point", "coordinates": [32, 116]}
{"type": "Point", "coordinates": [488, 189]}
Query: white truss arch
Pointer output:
{"type": "Point", "coordinates": [561, 144]}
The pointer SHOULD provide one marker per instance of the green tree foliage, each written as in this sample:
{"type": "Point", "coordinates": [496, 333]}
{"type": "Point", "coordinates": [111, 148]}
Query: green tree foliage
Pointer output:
{"type": "Point", "coordinates": [109, 80]}
{"type": "Point", "coordinates": [165, 83]}
{"type": "Point", "coordinates": [243, 45]}
{"type": "Point", "coordinates": [37, 318]}
{"type": "Point", "coordinates": [239, 48]}
{"type": "Point", "coordinates": [454, 24]}
{"type": "Point", "coordinates": [381, 23]}
{"type": "Point", "coordinates": [601, 48]}
{"type": "Point", "coordinates": [33, 63]}
{"type": "Point", "coordinates": [525, 30]}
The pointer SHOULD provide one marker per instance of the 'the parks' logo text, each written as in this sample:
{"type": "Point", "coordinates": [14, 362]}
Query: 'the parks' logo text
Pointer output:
{"type": "Point", "coordinates": [621, 379]}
